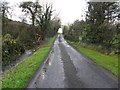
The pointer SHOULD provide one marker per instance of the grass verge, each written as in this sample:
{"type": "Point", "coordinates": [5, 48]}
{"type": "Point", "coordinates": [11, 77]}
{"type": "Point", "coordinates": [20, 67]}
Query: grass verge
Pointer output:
{"type": "Point", "coordinates": [108, 62]}
{"type": "Point", "coordinates": [19, 76]}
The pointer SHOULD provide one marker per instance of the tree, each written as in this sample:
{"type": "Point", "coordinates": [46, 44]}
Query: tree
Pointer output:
{"type": "Point", "coordinates": [4, 8]}
{"type": "Point", "coordinates": [65, 29]}
{"type": "Point", "coordinates": [44, 19]}
{"type": "Point", "coordinates": [97, 13]}
{"type": "Point", "coordinates": [32, 8]}
{"type": "Point", "coordinates": [55, 24]}
{"type": "Point", "coordinates": [26, 37]}
{"type": "Point", "coordinates": [76, 30]}
{"type": "Point", "coordinates": [108, 32]}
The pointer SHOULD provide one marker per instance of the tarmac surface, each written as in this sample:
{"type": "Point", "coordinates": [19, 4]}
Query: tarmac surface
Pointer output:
{"type": "Point", "coordinates": [67, 68]}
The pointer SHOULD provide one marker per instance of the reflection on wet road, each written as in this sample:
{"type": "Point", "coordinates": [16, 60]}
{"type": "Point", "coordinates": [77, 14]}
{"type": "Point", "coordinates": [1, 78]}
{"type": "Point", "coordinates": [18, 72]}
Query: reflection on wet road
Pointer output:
{"type": "Point", "coordinates": [67, 68]}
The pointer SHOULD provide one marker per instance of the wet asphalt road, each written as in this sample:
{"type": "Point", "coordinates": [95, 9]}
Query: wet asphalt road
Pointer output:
{"type": "Point", "coordinates": [67, 68]}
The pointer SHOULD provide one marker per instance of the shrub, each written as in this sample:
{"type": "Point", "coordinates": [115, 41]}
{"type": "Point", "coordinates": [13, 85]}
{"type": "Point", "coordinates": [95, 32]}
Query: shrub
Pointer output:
{"type": "Point", "coordinates": [11, 49]}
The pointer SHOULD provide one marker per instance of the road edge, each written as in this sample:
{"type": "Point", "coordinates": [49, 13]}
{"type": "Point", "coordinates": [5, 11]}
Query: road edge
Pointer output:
{"type": "Point", "coordinates": [38, 71]}
{"type": "Point", "coordinates": [115, 78]}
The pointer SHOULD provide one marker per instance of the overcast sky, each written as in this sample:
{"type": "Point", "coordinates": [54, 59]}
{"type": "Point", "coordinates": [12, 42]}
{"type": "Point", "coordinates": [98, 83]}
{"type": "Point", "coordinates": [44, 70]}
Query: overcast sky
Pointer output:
{"type": "Point", "coordinates": [67, 10]}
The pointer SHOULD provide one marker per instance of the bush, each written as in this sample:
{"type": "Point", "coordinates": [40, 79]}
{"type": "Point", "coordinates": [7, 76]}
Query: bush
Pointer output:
{"type": "Point", "coordinates": [11, 49]}
{"type": "Point", "coordinates": [27, 38]}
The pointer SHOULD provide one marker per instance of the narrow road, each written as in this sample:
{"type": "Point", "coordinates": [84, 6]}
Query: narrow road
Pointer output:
{"type": "Point", "coordinates": [67, 68]}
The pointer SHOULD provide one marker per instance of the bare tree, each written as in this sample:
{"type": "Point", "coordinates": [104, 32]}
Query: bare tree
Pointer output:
{"type": "Point", "coordinates": [32, 8]}
{"type": "Point", "coordinates": [44, 20]}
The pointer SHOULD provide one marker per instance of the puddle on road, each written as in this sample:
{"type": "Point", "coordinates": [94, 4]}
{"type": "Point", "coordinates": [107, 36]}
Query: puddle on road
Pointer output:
{"type": "Point", "coordinates": [44, 70]}
{"type": "Point", "coordinates": [68, 46]}
{"type": "Point", "coordinates": [48, 63]}
{"type": "Point", "coordinates": [43, 76]}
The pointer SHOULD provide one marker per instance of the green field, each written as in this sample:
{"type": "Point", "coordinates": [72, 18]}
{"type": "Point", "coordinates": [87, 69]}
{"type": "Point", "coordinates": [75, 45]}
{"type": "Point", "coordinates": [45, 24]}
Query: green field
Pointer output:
{"type": "Point", "coordinates": [19, 76]}
{"type": "Point", "coordinates": [108, 62]}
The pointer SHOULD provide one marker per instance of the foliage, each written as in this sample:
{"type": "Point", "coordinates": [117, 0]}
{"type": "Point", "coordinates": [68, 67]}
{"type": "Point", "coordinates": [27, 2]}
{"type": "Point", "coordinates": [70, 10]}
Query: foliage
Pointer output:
{"type": "Point", "coordinates": [41, 17]}
{"type": "Point", "coordinates": [107, 32]}
{"type": "Point", "coordinates": [100, 27]}
{"type": "Point", "coordinates": [21, 32]}
{"type": "Point", "coordinates": [98, 13]}
{"type": "Point", "coordinates": [44, 19]}
{"type": "Point", "coordinates": [4, 9]}
{"type": "Point", "coordinates": [55, 24]}
{"type": "Point", "coordinates": [26, 38]}
{"type": "Point", "coordinates": [76, 31]}
{"type": "Point", "coordinates": [31, 7]}
{"type": "Point", "coordinates": [11, 49]}
{"type": "Point", "coordinates": [22, 36]}
{"type": "Point", "coordinates": [20, 75]}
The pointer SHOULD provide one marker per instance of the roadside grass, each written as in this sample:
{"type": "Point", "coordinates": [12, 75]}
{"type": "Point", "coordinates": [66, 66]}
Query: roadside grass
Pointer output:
{"type": "Point", "coordinates": [19, 76]}
{"type": "Point", "coordinates": [108, 62]}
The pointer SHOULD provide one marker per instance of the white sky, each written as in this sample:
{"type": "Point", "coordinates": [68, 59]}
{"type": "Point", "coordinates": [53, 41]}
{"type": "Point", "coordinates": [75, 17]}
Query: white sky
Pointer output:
{"type": "Point", "coordinates": [67, 10]}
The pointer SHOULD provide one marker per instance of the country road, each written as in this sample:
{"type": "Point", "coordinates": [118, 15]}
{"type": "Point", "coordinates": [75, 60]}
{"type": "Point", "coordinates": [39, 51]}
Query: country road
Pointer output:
{"type": "Point", "coordinates": [67, 68]}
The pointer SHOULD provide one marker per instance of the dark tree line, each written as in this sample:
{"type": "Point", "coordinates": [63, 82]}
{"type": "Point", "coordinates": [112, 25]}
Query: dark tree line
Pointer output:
{"type": "Point", "coordinates": [19, 36]}
{"type": "Point", "coordinates": [101, 26]}
{"type": "Point", "coordinates": [41, 17]}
